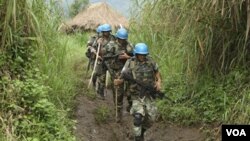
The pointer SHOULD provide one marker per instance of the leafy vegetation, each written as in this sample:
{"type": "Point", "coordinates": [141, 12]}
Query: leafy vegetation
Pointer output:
{"type": "Point", "coordinates": [37, 83]}
{"type": "Point", "coordinates": [202, 48]}
{"type": "Point", "coordinates": [101, 114]}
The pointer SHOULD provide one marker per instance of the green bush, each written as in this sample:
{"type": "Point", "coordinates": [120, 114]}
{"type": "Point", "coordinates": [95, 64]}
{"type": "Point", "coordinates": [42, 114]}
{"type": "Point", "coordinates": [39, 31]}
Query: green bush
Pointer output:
{"type": "Point", "coordinates": [37, 82]}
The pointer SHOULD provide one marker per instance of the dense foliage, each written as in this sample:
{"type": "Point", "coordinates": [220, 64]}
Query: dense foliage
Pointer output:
{"type": "Point", "coordinates": [202, 48]}
{"type": "Point", "coordinates": [37, 83]}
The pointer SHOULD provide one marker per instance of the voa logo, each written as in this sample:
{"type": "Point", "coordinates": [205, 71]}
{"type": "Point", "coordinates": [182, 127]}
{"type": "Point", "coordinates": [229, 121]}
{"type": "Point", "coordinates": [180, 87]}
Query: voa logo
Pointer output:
{"type": "Point", "coordinates": [236, 132]}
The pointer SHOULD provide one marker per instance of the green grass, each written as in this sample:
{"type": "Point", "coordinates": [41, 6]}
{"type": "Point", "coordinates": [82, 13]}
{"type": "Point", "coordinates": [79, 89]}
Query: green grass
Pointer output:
{"type": "Point", "coordinates": [38, 80]}
{"type": "Point", "coordinates": [60, 67]}
{"type": "Point", "coordinates": [201, 50]}
{"type": "Point", "coordinates": [101, 114]}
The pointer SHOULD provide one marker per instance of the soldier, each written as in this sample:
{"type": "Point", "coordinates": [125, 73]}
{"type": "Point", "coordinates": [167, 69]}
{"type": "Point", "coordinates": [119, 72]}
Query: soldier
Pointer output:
{"type": "Point", "coordinates": [144, 76]}
{"type": "Point", "coordinates": [117, 53]}
{"type": "Point", "coordinates": [101, 68]}
{"type": "Point", "coordinates": [90, 47]}
{"type": "Point", "coordinates": [93, 38]}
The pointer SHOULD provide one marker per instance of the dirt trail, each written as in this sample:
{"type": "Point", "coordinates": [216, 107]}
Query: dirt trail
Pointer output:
{"type": "Point", "coordinates": [88, 129]}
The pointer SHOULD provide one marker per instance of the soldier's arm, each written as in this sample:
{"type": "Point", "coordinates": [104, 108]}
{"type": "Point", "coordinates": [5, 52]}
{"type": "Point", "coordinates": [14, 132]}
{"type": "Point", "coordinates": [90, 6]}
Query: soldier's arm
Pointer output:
{"type": "Point", "coordinates": [128, 54]}
{"type": "Point", "coordinates": [158, 81]}
{"type": "Point", "coordinates": [157, 78]}
{"type": "Point", "coordinates": [124, 56]}
{"type": "Point", "coordinates": [93, 48]}
{"type": "Point", "coordinates": [91, 41]}
{"type": "Point", "coordinates": [120, 79]}
{"type": "Point", "coordinates": [91, 44]}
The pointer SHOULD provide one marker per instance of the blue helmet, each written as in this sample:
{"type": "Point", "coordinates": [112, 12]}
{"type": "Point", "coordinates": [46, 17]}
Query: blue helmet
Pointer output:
{"type": "Point", "coordinates": [122, 33]}
{"type": "Point", "coordinates": [99, 29]}
{"type": "Point", "coordinates": [141, 48]}
{"type": "Point", "coordinates": [106, 27]}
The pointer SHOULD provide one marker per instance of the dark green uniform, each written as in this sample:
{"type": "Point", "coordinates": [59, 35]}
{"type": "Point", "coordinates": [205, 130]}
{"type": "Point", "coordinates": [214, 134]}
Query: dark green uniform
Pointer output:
{"type": "Point", "coordinates": [143, 106]}
{"type": "Point", "coordinates": [101, 68]}
{"type": "Point", "coordinates": [115, 64]}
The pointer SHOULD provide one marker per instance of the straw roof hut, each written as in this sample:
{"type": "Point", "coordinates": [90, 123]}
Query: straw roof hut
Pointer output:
{"type": "Point", "coordinates": [96, 14]}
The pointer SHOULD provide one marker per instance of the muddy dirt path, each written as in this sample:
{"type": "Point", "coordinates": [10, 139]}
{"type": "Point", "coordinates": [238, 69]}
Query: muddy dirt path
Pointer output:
{"type": "Point", "coordinates": [88, 128]}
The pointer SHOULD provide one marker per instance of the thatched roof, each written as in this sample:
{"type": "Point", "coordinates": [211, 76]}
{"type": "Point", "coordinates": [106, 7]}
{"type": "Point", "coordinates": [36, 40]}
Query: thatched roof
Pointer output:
{"type": "Point", "coordinates": [96, 14]}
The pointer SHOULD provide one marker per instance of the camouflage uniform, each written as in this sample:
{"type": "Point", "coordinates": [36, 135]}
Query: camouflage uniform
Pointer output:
{"type": "Point", "coordinates": [143, 105]}
{"type": "Point", "coordinates": [91, 42]}
{"type": "Point", "coordinates": [115, 65]}
{"type": "Point", "coordinates": [101, 68]}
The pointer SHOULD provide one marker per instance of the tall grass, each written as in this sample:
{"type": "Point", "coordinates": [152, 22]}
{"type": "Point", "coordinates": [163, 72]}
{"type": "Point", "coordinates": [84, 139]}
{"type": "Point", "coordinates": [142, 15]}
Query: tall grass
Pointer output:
{"type": "Point", "coordinates": [60, 67]}
{"type": "Point", "coordinates": [202, 48]}
{"type": "Point", "coordinates": [37, 81]}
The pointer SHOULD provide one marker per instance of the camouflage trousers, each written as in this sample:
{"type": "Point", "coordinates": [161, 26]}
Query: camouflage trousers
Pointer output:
{"type": "Point", "coordinates": [147, 108]}
{"type": "Point", "coordinates": [100, 73]}
{"type": "Point", "coordinates": [118, 93]}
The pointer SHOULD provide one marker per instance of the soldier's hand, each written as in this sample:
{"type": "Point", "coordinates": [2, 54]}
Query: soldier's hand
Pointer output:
{"type": "Point", "coordinates": [123, 56]}
{"type": "Point", "coordinates": [99, 41]}
{"type": "Point", "coordinates": [100, 58]}
{"type": "Point", "coordinates": [92, 50]}
{"type": "Point", "coordinates": [158, 86]}
{"type": "Point", "coordinates": [118, 81]}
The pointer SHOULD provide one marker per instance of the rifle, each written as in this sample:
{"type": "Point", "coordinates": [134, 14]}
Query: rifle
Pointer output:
{"type": "Point", "coordinates": [145, 87]}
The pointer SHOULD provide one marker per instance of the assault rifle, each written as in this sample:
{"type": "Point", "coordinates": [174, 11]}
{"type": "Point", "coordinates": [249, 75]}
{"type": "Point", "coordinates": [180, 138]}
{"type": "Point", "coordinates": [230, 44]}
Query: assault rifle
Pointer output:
{"type": "Point", "coordinates": [145, 87]}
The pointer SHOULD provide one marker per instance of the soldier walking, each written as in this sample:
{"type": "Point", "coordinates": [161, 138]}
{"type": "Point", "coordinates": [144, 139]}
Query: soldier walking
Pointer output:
{"type": "Point", "coordinates": [142, 72]}
{"type": "Point", "coordinates": [117, 53]}
{"type": "Point", "coordinates": [101, 67]}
